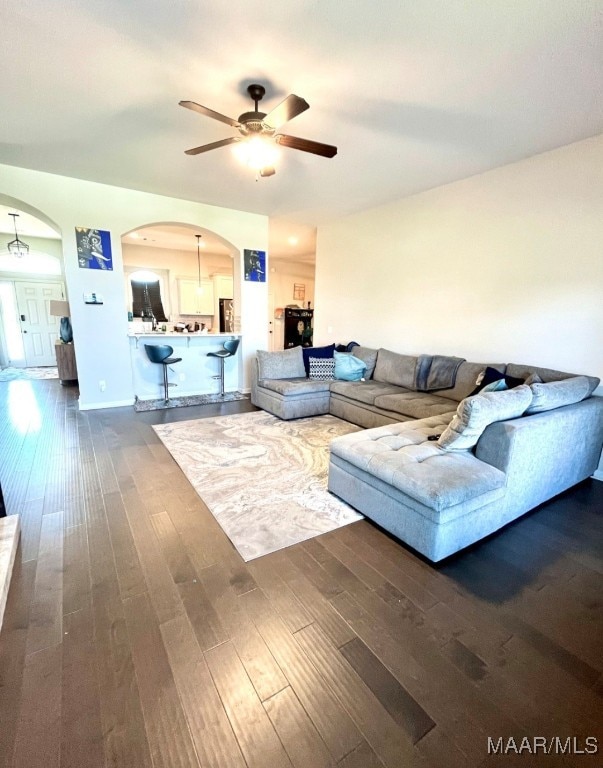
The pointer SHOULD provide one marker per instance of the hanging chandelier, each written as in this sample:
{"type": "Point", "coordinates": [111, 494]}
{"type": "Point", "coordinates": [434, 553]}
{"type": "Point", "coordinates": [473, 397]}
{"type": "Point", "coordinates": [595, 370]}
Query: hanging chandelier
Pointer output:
{"type": "Point", "coordinates": [17, 247]}
{"type": "Point", "coordinates": [199, 286]}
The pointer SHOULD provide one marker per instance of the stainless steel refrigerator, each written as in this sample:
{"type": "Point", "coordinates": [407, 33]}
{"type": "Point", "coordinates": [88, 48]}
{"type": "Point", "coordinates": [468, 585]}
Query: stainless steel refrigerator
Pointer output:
{"type": "Point", "coordinates": [226, 316]}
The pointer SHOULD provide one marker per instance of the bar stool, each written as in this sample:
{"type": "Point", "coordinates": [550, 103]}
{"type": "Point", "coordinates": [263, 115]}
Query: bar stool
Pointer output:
{"type": "Point", "coordinates": [160, 354]}
{"type": "Point", "coordinates": [229, 350]}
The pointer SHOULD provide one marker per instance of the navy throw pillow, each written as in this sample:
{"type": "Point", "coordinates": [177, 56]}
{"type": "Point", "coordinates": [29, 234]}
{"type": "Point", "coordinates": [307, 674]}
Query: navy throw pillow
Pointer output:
{"type": "Point", "coordinates": [322, 352]}
{"type": "Point", "coordinates": [491, 375]}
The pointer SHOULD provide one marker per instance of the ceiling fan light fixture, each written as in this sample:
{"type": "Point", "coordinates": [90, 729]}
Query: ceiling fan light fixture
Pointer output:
{"type": "Point", "coordinates": [257, 147]}
{"type": "Point", "coordinates": [17, 247]}
{"type": "Point", "coordinates": [256, 152]}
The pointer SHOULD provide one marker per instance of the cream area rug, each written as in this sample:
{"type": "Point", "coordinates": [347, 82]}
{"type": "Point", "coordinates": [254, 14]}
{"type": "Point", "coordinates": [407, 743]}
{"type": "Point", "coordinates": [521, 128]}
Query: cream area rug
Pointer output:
{"type": "Point", "coordinates": [15, 374]}
{"type": "Point", "coordinates": [263, 479]}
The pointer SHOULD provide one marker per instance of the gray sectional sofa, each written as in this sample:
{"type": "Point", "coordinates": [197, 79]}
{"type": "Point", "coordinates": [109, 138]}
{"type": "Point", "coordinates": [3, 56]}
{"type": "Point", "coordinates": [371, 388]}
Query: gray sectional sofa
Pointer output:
{"type": "Point", "coordinates": [436, 467]}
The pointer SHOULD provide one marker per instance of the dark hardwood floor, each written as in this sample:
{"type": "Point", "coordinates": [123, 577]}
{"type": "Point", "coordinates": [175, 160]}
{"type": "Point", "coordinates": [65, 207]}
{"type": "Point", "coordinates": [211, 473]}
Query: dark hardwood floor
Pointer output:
{"type": "Point", "coordinates": [135, 635]}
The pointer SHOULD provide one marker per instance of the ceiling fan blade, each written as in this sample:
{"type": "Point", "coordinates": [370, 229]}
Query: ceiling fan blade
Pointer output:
{"type": "Point", "coordinates": [305, 145]}
{"type": "Point", "coordinates": [267, 171]}
{"type": "Point", "coordinates": [291, 107]}
{"type": "Point", "coordinates": [213, 145]}
{"type": "Point", "coordinates": [209, 113]}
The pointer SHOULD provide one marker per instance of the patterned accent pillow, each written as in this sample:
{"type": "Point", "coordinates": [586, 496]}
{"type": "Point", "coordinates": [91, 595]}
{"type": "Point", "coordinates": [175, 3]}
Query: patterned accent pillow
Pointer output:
{"type": "Point", "coordinates": [321, 369]}
{"type": "Point", "coordinates": [309, 352]}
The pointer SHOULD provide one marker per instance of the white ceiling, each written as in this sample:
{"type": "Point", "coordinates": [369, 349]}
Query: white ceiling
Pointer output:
{"type": "Point", "coordinates": [414, 94]}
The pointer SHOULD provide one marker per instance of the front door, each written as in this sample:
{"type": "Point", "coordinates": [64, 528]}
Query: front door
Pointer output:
{"type": "Point", "coordinates": [38, 328]}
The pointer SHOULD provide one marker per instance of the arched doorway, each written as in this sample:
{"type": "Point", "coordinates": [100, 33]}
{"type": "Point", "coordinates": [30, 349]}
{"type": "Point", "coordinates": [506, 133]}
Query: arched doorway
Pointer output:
{"type": "Point", "coordinates": [191, 280]}
{"type": "Point", "coordinates": [28, 285]}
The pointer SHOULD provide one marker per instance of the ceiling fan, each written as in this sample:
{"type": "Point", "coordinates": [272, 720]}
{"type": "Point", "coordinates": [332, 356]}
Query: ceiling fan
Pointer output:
{"type": "Point", "coordinates": [259, 131]}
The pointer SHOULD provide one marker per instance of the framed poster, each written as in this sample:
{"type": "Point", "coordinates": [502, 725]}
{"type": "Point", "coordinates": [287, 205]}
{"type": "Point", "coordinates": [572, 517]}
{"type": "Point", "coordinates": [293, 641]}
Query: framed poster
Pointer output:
{"type": "Point", "coordinates": [254, 263]}
{"type": "Point", "coordinates": [299, 291]}
{"type": "Point", "coordinates": [93, 248]}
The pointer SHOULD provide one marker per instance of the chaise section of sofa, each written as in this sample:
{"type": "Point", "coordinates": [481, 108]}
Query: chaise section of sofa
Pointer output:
{"type": "Point", "coordinates": [439, 502]}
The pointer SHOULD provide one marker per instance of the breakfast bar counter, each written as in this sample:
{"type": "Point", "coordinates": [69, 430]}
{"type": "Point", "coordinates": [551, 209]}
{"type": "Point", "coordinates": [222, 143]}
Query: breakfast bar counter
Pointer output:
{"type": "Point", "coordinates": [193, 375]}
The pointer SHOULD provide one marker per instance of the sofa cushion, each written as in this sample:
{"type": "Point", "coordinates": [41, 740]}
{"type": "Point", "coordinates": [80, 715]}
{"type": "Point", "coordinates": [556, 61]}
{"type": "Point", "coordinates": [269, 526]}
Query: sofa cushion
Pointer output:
{"type": "Point", "coordinates": [402, 456]}
{"type": "Point", "coordinates": [548, 374]}
{"type": "Point", "coordinates": [466, 379]}
{"type": "Point", "coordinates": [288, 364]}
{"type": "Point", "coordinates": [321, 368]}
{"type": "Point", "coordinates": [368, 356]}
{"type": "Point", "coordinates": [554, 394]}
{"type": "Point", "coordinates": [393, 368]}
{"type": "Point", "coordinates": [475, 413]}
{"type": "Point", "coordinates": [322, 352]}
{"type": "Point", "coordinates": [533, 378]}
{"type": "Point", "coordinates": [291, 387]}
{"type": "Point", "coordinates": [364, 391]}
{"type": "Point", "coordinates": [417, 405]}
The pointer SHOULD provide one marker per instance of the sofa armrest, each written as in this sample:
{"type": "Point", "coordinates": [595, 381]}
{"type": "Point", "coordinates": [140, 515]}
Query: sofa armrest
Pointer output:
{"type": "Point", "coordinates": [546, 453]}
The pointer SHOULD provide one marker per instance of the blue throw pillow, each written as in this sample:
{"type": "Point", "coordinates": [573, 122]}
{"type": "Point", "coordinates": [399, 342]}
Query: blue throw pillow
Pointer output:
{"type": "Point", "coordinates": [348, 367]}
{"type": "Point", "coordinates": [323, 352]}
{"type": "Point", "coordinates": [490, 376]}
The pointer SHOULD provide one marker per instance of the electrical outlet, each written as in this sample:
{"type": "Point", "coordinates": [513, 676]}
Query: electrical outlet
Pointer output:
{"type": "Point", "coordinates": [102, 385]}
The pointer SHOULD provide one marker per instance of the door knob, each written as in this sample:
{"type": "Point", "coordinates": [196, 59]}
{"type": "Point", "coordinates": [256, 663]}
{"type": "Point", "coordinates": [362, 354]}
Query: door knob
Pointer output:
{"type": "Point", "coordinates": [23, 318]}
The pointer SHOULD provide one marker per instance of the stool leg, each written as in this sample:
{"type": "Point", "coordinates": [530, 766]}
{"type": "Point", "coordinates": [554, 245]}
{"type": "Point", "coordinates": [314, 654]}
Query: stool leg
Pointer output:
{"type": "Point", "coordinates": [165, 384]}
{"type": "Point", "coordinates": [222, 376]}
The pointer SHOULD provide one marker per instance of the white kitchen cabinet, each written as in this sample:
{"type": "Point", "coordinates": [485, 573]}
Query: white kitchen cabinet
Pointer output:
{"type": "Point", "coordinates": [191, 302]}
{"type": "Point", "coordinates": [223, 287]}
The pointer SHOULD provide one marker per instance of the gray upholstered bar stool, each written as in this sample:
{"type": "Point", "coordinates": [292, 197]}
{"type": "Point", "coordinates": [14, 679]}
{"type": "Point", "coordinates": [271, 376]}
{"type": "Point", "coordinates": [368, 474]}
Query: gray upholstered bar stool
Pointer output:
{"type": "Point", "coordinates": [160, 354]}
{"type": "Point", "coordinates": [229, 350]}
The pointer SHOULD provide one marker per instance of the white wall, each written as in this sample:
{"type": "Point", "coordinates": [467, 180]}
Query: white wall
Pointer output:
{"type": "Point", "coordinates": [505, 266]}
{"type": "Point", "coordinates": [100, 339]}
{"type": "Point", "coordinates": [284, 274]}
{"type": "Point", "coordinates": [180, 263]}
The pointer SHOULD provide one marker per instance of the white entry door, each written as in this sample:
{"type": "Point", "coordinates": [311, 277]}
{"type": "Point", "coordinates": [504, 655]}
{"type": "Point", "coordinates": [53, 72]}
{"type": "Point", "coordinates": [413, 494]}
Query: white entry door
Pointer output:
{"type": "Point", "coordinates": [38, 328]}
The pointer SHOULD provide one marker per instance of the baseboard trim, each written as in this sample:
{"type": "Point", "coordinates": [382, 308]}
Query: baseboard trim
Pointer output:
{"type": "Point", "coordinates": [598, 475]}
{"type": "Point", "coordinates": [98, 406]}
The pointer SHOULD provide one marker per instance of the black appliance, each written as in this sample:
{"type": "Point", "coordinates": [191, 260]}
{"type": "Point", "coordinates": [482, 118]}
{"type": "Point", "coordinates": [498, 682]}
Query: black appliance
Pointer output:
{"type": "Point", "coordinates": [298, 327]}
{"type": "Point", "coordinates": [226, 316]}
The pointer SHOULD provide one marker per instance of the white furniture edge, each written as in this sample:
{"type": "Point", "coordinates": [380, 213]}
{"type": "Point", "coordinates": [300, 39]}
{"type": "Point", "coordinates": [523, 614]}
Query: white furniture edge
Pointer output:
{"type": "Point", "coordinates": [9, 540]}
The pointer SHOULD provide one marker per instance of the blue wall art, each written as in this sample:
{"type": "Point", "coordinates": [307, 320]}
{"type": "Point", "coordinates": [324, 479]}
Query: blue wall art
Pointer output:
{"type": "Point", "coordinates": [93, 248]}
{"type": "Point", "coordinates": [255, 265]}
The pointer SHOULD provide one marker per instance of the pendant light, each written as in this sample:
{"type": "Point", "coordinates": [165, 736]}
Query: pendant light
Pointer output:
{"type": "Point", "coordinates": [199, 288]}
{"type": "Point", "coordinates": [17, 247]}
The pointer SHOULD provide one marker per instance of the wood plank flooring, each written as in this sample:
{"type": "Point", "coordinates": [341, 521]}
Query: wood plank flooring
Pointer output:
{"type": "Point", "coordinates": [135, 636]}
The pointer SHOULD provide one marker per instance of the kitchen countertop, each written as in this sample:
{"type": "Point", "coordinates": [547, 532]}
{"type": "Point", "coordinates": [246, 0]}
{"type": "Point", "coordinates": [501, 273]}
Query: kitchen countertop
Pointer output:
{"type": "Point", "coordinates": [179, 335]}
{"type": "Point", "coordinates": [194, 374]}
